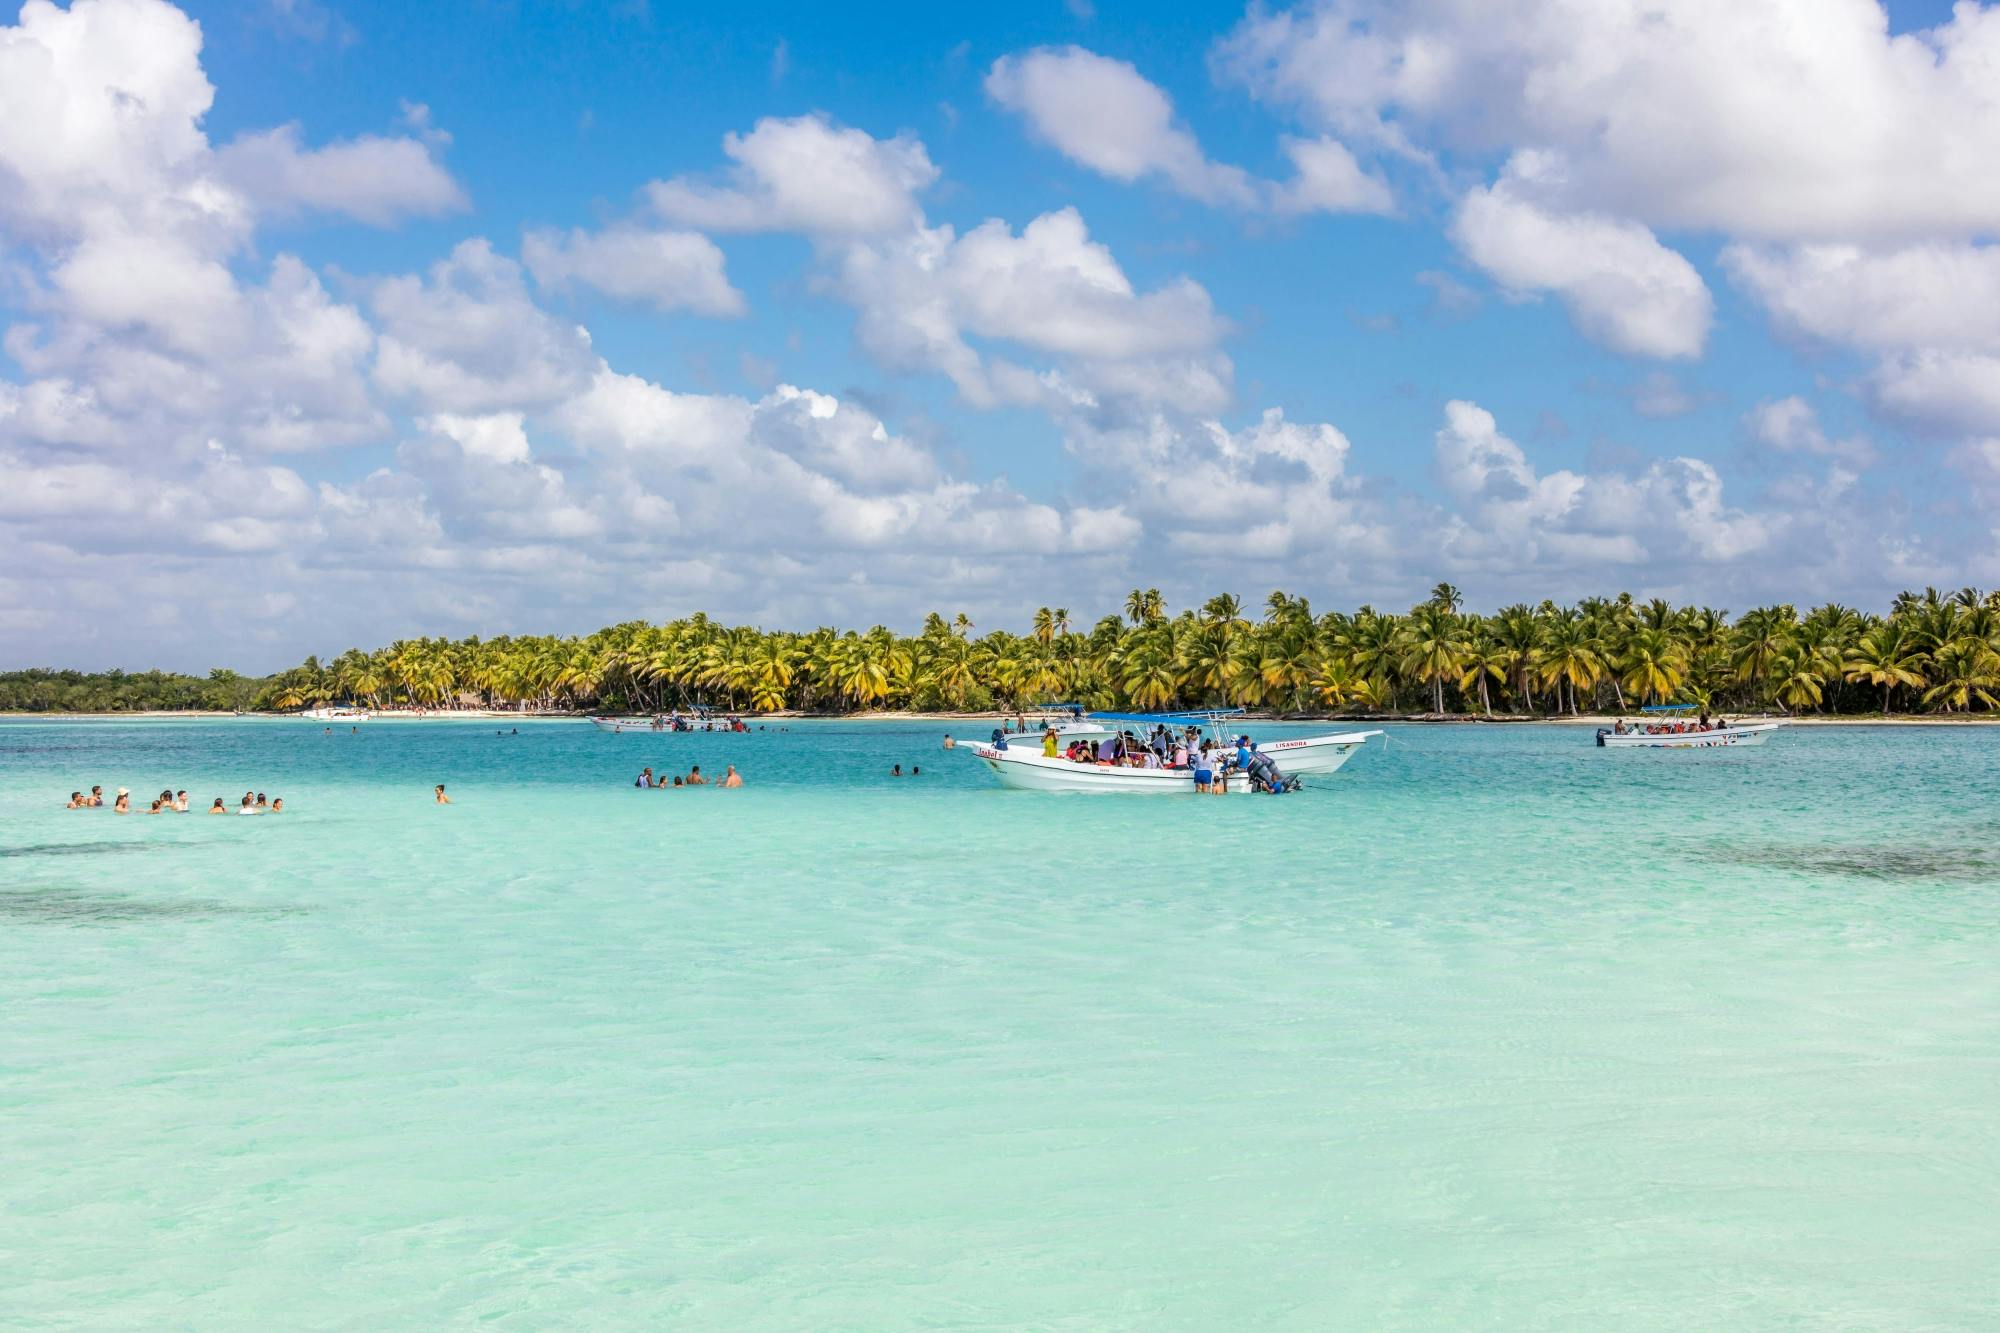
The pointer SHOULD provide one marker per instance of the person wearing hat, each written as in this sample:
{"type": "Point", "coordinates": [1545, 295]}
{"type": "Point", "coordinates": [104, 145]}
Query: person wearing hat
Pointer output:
{"type": "Point", "coordinates": [124, 803]}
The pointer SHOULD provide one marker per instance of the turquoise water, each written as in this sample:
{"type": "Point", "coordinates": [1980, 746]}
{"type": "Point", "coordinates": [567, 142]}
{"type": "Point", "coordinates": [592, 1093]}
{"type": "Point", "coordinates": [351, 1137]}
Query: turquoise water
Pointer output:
{"type": "Point", "coordinates": [1493, 1029]}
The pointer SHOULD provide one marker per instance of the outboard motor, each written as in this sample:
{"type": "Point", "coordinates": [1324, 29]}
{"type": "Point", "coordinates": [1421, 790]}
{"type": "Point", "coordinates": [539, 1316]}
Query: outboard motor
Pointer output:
{"type": "Point", "coordinates": [1602, 732]}
{"type": "Point", "coordinates": [999, 738]}
{"type": "Point", "coordinates": [1264, 776]}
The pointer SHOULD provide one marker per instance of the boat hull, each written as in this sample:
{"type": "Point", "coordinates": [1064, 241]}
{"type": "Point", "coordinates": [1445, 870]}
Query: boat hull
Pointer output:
{"type": "Point", "coordinates": [1025, 770]}
{"type": "Point", "coordinates": [1754, 733]}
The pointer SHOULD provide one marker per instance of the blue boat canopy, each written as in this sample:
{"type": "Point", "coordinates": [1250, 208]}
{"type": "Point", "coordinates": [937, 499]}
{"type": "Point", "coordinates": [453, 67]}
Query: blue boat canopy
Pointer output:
{"type": "Point", "coordinates": [1667, 708]}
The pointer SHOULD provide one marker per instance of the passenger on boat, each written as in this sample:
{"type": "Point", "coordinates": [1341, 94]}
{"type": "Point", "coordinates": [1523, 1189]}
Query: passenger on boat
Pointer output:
{"type": "Point", "coordinates": [1049, 743]}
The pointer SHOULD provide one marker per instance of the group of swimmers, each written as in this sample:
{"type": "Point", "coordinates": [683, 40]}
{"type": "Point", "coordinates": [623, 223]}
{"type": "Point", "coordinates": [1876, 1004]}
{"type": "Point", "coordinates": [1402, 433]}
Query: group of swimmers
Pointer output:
{"type": "Point", "coordinates": [171, 802]}
{"type": "Point", "coordinates": [694, 778]}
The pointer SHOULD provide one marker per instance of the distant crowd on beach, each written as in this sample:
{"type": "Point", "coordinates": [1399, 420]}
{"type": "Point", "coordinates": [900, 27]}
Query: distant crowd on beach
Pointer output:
{"type": "Point", "coordinates": [175, 802]}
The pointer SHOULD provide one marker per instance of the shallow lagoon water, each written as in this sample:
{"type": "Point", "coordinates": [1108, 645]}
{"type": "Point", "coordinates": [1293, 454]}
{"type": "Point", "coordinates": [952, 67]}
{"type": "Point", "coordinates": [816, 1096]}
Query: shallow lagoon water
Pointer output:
{"type": "Point", "coordinates": [1492, 1029]}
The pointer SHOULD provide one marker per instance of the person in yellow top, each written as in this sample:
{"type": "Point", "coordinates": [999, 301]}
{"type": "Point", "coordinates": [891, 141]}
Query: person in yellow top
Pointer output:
{"type": "Point", "coordinates": [1049, 750]}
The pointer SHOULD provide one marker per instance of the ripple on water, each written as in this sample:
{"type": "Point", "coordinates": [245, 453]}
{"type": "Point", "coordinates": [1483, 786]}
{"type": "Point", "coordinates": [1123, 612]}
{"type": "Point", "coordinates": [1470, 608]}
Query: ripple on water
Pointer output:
{"type": "Point", "coordinates": [93, 907]}
{"type": "Point", "coordinates": [77, 848]}
{"type": "Point", "coordinates": [1948, 864]}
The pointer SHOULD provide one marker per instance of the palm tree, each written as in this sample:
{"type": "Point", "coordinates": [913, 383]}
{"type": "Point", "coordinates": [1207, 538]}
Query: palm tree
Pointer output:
{"type": "Point", "coordinates": [1965, 672]}
{"type": "Point", "coordinates": [1570, 655]}
{"type": "Point", "coordinates": [1434, 647]}
{"type": "Point", "coordinates": [1885, 656]}
{"type": "Point", "coordinates": [1486, 659]}
{"type": "Point", "coordinates": [1654, 664]}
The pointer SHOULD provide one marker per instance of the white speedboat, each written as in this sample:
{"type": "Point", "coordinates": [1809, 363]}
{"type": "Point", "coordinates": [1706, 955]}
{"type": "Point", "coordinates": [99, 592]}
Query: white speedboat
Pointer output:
{"type": "Point", "coordinates": [336, 713]}
{"type": "Point", "coordinates": [1742, 733]}
{"type": "Point", "coordinates": [631, 724]}
{"type": "Point", "coordinates": [1022, 765]}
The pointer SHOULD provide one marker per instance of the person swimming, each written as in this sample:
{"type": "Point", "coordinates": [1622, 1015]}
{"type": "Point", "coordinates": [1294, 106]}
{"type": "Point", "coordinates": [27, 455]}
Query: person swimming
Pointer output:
{"type": "Point", "coordinates": [896, 771]}
{"type": "Point", "coordinates": [732, 778]}
{"type": "Point", "coordinates": [645, 778]}
{"type": "Point", "coordinates": [438, 792]}
{"type": "Point", "coordinates": [181, 800]}
{"type": "Point", "coordinates": [695, 779]}
{"type": "Point", "coordinates": [123, 805]}
{"type": "Point", "coordinates": [249, 806]}
{"type": "Point", "coordinates": [677, 780]}
{"type": "Point", "coordinates": [96, 797]}
{"type": "Point", "coordinates": [277, 804]}
{"type": "Point", "coordinates": [77, 802]}
{"type": "Point", "coordinates": [218, 808]}
{"type": "Point", "coordinates": [158, 806]}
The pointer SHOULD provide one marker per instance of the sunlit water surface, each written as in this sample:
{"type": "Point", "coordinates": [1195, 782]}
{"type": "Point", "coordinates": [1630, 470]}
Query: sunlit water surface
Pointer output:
{"type": "Point", "coordinates": [1494, 1029]}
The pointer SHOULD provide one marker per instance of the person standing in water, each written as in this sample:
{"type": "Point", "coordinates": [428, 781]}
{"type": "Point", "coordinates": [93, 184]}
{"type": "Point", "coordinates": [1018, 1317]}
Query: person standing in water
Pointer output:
{"type": "Point", "coordinates": [732, 778]}
{"type": "Point", "coordinates": [438, 791]}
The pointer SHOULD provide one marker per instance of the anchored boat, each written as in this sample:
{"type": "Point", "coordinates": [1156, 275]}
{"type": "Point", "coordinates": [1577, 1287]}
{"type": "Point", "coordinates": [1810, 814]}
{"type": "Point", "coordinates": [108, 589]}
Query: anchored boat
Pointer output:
{"type": "Point", "coordinates": [1746, 733]}
{"type": "Point", "coordinates": [1020, 762]}
{"type": "Point", "coordinates": [336, 713]}
{"type": "Point", "coordinates": [1682, 734]}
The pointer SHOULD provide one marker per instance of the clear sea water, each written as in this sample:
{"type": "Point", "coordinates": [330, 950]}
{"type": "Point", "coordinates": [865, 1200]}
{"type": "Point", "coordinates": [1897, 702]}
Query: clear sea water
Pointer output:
{"type": "Point", "coordinates": [1494, 1029]}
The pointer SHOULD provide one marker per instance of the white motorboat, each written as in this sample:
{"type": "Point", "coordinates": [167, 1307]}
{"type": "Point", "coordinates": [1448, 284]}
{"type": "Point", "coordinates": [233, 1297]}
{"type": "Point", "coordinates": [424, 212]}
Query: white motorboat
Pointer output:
{"type": "Point", "coordinates": [1021, 764]}
{"type": "Point", "coordinates": [1742, 733]}
{"type": "Point", "coordinates": [631, 724]}
{"type": "Point", "coordinates": [336, 713]}
{"type": "Point", "coordinates": [662, 722]}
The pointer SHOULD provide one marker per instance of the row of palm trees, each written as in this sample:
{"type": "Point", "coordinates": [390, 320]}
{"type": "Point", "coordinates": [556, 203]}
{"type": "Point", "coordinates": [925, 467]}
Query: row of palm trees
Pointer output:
{"type": "Point", "coordinates": [1931, 652]}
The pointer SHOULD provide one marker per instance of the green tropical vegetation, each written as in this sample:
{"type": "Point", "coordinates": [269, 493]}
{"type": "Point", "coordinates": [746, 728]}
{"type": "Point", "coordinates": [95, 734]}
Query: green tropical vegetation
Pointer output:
{"type": "Point", "coordinates": [1933, 652]}
{"type": "Point", "coordinates": [47, 691]}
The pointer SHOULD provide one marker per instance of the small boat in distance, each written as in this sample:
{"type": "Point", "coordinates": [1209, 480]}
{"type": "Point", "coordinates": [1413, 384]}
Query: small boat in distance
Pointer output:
{"type": "Point", "coordinates": [336, 713]}
{"type": "Point", "coordinates": [662, 722]}
{"type": "Point", "coordinates": [1021, 764]}
{"type": "Point", "coordinates": [1682, 734]}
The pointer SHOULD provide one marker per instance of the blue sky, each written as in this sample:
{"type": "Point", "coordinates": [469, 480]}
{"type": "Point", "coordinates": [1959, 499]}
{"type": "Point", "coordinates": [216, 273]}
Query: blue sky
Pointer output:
{"type": "Point", "coordinates": [541, 316]}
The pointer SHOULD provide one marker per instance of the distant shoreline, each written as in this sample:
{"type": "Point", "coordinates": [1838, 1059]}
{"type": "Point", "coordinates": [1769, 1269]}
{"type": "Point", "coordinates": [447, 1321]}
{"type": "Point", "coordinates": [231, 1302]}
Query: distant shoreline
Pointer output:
{"type": "Point", "coordinates": [880, 715]}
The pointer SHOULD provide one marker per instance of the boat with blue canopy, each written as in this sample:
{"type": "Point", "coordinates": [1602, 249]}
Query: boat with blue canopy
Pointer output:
{"type": "Point", "coordinates": [1681, 734]}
